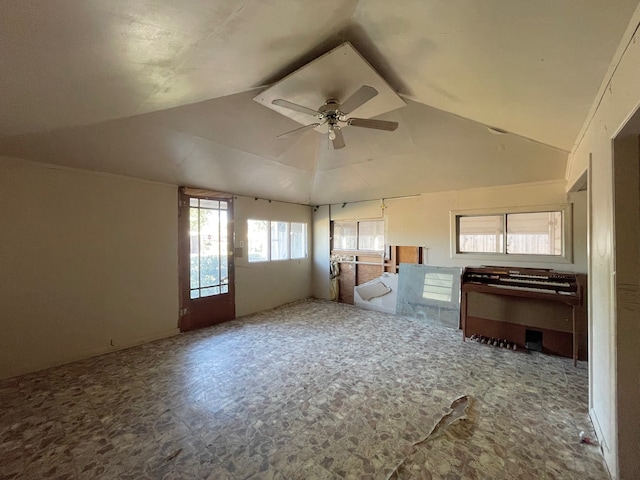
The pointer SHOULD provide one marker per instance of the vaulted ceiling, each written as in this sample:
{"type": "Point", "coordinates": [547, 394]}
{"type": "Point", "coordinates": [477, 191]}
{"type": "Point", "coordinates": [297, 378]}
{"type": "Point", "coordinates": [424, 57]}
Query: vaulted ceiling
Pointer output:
{"type": "Point", "coordinates": [163, 90]}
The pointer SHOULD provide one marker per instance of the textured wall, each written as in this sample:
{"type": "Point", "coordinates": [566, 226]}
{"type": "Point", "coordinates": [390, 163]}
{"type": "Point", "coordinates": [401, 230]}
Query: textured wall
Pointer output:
{"type": "Point", "coordinates": [88, 261]}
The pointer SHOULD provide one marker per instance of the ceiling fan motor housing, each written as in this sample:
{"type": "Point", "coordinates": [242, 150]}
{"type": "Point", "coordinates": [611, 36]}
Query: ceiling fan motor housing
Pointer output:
{"type": "Point", "coordinates": [331, 111]}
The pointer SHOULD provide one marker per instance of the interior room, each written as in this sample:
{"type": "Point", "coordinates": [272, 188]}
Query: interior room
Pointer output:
{"type": "Point", "coordinates": [247, 239]}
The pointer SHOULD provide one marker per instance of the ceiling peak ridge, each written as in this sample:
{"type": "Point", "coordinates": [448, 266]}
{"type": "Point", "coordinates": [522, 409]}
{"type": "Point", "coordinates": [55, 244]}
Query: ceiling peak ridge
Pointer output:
{"type": "Point", "coordinates": [492, 128]}
{"type": "Point", "coordinates": [107, 121]}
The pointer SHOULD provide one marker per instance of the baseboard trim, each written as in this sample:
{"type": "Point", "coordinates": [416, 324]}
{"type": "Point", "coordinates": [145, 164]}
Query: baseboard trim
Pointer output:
{"type": "Point", "coordinates": [609, 457]}
{"type": "Point", "coordinates": [118, 344]}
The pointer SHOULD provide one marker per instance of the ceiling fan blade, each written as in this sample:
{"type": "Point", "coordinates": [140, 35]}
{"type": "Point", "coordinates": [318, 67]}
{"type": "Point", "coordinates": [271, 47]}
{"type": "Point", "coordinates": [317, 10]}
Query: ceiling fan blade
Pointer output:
{"type": "Point", "coordinates": [360, 97]}
{"type": "Point", "coordinates": [294, 106]}
{"type": "Point", "coordinates": [369, 123]}
{"type": "Point", "coordinates": [299, 131]}
{"type": "Point", "coordinates": [338, 142]}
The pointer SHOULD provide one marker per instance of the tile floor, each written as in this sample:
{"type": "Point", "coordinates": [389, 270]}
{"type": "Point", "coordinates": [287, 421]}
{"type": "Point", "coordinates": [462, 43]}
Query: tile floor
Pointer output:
{"type": "Point", "coordinates": [312, 390]}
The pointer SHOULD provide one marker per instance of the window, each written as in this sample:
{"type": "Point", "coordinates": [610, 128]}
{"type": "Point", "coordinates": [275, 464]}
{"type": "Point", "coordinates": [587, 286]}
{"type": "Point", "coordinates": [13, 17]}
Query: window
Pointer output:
{"type": "Point", "coordinates": [258, 233]}
{"type": "Point", "coordinates": [345, 235]}
{"type": "Point", "coordinates": [279, 240]}
{"type": "Point", "coordinates": [367, 235]}
{"type": "Point", "coordinates": [298, 240]}
{"type": "Point", "coordinates": [537, 234]}
{"type": "Point", "coordinates": [273, 240]}
{"type": "Point", "coordinates": [481, 234]}
{"type": "Point", "coordinates": [371, 235]}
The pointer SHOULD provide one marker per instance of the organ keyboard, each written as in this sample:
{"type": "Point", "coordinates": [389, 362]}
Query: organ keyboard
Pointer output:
{"type": "Point", "coordinates": [535, 280]}
{"type": "Point", "coordinates": [537, 284]}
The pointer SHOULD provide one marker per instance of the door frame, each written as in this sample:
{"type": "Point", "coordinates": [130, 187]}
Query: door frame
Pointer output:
{"type": "Point", "coordinates": [184, 243]}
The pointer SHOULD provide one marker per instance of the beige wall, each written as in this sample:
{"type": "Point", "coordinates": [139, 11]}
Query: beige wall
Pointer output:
{"type": "Point", "coordinates": [424, 220]}
{"type": "Point", "coordinates": [268, 284]}
{"type": "Point", "coordinates": [612, 353]}
{"type": "Point", "coordinates": [88, 264]}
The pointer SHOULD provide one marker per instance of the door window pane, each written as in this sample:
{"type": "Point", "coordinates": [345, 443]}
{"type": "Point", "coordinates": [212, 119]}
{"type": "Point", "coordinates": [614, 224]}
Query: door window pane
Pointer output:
{"type": "Point", "coordinates": [209, 247]}
{"type": "Point", "coordinates": [298, 240]}
{"type": "Point", "coordinates": [480, 234]}
{"type": "Point", "coordinates": [194, 247]}
{"type": "Point", "coordinates": [258, 239]}
{"type": "Point", "coordinates": [279, 240]}
{"type": "Point", "coordinates": [209, 204]}
{"type": "Point", "coordinates": [538, 233]}
{"type": "Point", "coordinates": [207, 292]}
{"type": "Point", "coordinates": [224, 245]}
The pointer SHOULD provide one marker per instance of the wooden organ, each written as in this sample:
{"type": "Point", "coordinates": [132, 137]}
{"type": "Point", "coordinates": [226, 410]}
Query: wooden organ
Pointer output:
{"type": "Point", "coordinates": [508, 302]}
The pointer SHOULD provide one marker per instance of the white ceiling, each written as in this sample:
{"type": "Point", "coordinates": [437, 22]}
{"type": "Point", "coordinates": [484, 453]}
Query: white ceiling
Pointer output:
{"type": "Point", "coordinates": [162, 90]}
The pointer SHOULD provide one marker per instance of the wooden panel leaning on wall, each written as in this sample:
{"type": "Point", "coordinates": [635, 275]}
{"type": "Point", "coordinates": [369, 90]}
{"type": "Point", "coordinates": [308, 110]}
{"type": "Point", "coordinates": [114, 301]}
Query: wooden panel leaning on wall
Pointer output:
{"type": "Point", "coordinates": [402, 254]}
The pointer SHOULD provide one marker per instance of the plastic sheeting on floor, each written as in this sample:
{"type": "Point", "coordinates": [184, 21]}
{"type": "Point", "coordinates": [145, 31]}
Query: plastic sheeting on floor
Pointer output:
{"type": "Point", "coordinates": [380, 294]}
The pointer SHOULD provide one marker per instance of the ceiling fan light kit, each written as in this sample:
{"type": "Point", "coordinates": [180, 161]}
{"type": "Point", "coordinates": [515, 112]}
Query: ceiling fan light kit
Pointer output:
{"type": "Point", "coordinates": [333, 113]}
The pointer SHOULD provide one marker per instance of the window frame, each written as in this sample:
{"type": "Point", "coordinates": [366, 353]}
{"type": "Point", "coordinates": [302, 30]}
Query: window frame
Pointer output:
{"type": "Point", "coordinates": [287, 237]}
{"type": "Point", "coordinates": [566, 209]}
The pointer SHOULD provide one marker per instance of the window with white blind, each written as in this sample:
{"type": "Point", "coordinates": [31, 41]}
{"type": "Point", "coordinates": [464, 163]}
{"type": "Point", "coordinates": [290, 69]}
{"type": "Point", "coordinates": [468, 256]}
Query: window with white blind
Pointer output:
{"type": "Point", "coordinates": [533, 234]}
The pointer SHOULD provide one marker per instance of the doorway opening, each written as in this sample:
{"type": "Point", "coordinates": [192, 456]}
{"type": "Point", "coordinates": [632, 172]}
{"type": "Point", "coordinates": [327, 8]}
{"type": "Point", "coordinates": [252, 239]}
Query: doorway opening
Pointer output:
{"type": "Point", "coordinates": [625, 328]}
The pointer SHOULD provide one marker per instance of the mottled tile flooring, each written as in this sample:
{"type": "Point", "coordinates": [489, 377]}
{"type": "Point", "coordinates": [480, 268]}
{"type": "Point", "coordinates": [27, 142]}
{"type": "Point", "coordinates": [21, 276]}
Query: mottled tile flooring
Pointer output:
{"type": "Point", "coordinates": [312, 390]}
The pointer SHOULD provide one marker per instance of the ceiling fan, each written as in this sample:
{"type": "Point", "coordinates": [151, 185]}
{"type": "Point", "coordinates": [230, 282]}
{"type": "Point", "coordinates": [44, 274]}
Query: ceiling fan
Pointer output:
{"type": "Point", "coordinates": [335, 113]}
